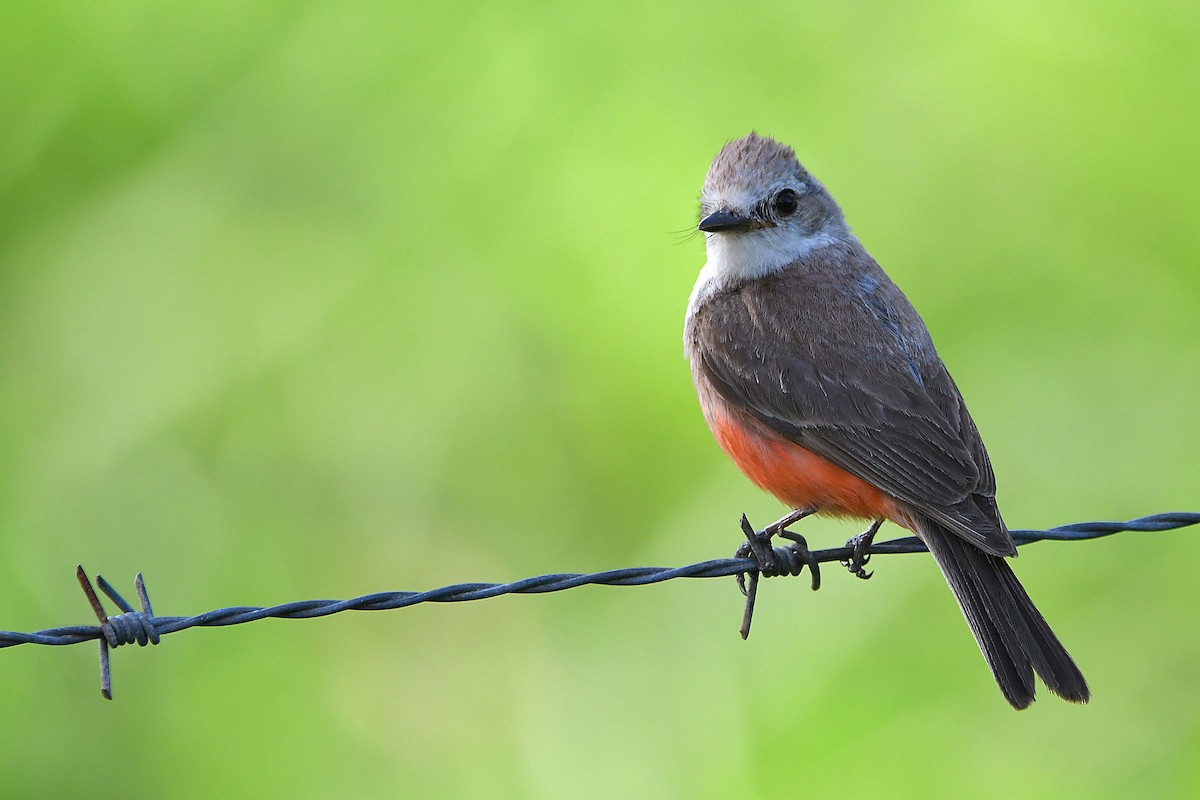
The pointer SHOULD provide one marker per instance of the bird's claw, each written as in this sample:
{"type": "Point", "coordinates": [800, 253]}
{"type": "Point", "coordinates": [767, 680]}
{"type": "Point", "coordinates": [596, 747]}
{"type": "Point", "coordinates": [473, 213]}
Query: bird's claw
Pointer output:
{"type": "Point", "coordinates": [860, 546]}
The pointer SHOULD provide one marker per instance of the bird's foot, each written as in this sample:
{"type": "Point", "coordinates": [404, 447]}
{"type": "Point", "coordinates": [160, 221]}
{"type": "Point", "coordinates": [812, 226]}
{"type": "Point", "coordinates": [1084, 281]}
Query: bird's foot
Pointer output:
{"type": "Point", "coordinates": [859, 545]}
{"type": "Point", "coordinates": [768, 558]}
{"type": "Point", "coordinates": [771, 561]}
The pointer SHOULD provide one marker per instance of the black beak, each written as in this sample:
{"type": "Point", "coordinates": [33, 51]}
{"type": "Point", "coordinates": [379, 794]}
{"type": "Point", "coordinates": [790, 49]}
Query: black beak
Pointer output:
{"type": "Point", "coordinates": [726, 220]}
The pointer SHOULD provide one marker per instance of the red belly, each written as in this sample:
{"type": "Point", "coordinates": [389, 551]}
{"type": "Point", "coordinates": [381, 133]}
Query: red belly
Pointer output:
{"type": "Point", "coordinates": [797, 476]}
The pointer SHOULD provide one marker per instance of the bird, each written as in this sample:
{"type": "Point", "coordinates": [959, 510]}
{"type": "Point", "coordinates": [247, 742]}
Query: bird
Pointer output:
{"type": "Point", "coordinates": [820, 380]}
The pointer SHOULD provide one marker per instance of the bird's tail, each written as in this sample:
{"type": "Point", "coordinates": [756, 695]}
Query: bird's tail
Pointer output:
{"type": "Point", "coordinates": [1012, 634]}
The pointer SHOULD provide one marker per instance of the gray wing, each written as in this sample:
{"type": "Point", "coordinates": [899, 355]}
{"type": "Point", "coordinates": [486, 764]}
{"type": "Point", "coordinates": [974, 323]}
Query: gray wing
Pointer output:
{"type": "Point", "coordinates": [858, 383]}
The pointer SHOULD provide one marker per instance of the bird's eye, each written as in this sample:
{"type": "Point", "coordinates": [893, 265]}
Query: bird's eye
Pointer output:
{"type": "Point", "coordinates": [785, 202]}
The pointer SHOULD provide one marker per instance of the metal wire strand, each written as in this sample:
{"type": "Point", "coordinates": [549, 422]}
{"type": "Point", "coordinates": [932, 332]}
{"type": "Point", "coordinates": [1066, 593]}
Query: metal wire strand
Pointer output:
{"type": "Point", "coordinates": [143, 627]}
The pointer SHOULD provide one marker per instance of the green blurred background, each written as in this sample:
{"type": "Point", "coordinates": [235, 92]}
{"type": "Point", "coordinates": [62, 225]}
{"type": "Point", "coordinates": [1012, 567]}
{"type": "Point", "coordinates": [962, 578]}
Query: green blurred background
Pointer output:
{"type": "Point", "coordinates": [310, 300]}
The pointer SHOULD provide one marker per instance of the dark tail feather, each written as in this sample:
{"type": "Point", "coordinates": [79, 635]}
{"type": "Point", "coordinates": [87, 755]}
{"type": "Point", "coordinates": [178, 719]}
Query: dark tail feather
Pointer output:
{"type": "Point", "coordinates": [1014, 638]}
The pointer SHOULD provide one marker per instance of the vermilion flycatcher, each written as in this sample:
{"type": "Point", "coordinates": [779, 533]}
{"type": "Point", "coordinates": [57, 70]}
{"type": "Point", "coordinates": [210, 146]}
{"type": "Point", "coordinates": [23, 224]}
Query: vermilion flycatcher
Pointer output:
{"type": "Point", "coordinates": [819, 379]}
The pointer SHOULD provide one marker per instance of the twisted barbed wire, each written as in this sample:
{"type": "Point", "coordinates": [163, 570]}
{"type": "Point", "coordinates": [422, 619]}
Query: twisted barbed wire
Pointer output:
{"type": "Point", "coordinates": [143, 627]}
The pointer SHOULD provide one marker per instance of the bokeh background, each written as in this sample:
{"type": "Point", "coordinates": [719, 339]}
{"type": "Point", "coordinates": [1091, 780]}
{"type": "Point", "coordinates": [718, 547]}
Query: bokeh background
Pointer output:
{"type": "Point", "coordinates": [308, 300]}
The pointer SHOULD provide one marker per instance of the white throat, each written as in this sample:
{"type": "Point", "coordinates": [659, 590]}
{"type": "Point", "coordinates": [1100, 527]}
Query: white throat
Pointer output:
{"type": "Point", "coordinates": [739, 257]}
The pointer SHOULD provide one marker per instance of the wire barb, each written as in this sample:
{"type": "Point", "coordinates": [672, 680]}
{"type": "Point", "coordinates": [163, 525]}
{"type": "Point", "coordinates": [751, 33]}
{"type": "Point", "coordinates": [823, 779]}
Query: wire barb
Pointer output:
{"type": "Point", "coordinates": [144, 628]}
{"type": "Point", "coordinates": [771, 562]}
{"type": "Point", "coordinates": [132, 626]}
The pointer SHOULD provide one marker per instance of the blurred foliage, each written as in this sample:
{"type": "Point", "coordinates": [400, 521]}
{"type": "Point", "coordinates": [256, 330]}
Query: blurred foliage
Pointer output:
{"type": "Point", "coordinates": [309, 300]}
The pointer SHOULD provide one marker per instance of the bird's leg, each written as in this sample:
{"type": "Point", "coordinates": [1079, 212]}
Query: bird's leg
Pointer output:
{"type": "Point", "coordinates": [795, 516]}
{"type": "Point", "coordinates": [858, 551]}
{"type": "Point", "coordinates": [758, 547]}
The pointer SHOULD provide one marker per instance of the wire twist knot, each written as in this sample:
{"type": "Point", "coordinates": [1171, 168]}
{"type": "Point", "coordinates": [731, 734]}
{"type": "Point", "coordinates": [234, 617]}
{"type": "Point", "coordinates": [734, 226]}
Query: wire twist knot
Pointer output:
{"type": "Point", "coordinates": [127, 628]}
{"type": "Point", "coordinates": [791, 561]}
